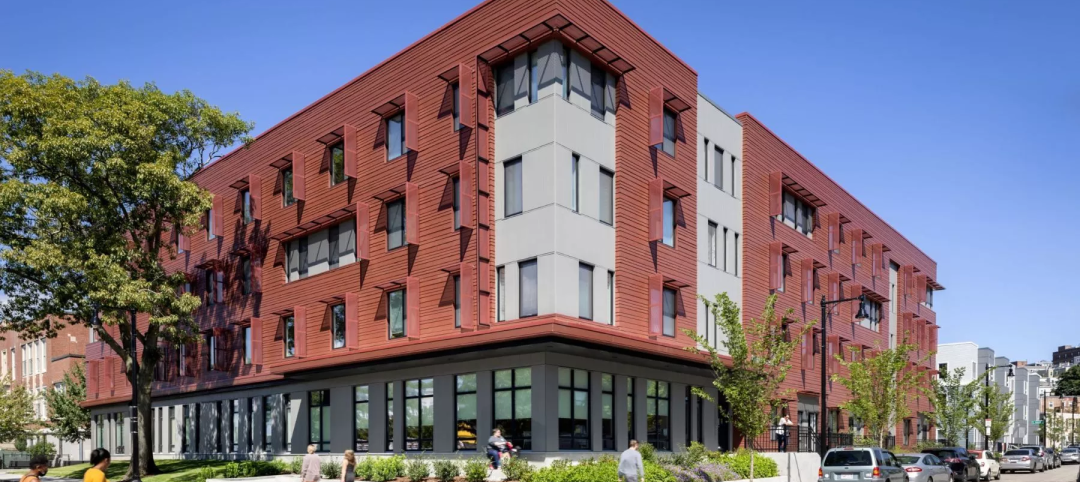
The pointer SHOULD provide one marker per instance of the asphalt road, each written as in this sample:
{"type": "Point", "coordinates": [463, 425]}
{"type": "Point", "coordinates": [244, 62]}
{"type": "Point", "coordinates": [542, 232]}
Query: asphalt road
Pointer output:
{"type": "Point", "coordinates": [1067, 473]}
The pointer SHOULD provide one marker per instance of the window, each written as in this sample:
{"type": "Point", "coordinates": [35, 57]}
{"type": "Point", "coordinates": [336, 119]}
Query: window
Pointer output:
{"type": "Point", "coordinates": [455, 89]}
{"type": "Point", "coordinates": [929, 297]}
{"type": "Point", "coordinates": [500, 293]}
{"type": "Point", "coordinates": [390, 416]}
{"type": "Point", "coordinates": [585, 291]}
{"type": "Point", "coordinates": [734, 179]}
{"type": "Point", "coordinates": [245, 275]}
{"type": "Point", "coordinates": [573, 409]}
{"type": "Point", "coordinates": [705, 152]}
{"type": "Point", "coordinates": [712, 244]}
{"type": "Point", "coordinates": [319, 419]}
{"type": "Point", "coordinates": [565, 65]}
{"type": "Point", "coordinates": [396, 301]}
{"type": "Point", "coordinates": [298, 259]}
{"type": "Point", "coordinates": [172, 423]}
{"type": "Point", "coordinates": [246, 197]}
{"type": "Point", "coordinates": [268, 425]}
{"type": "Point", "coordinates": [234, 413]}
{"type": "Point", "coordinates": [669, 132]}
{"type": "Point", "coordinates": [797, 214]}
{"type": "Point", "coordinates": [395, 136]}
{"type": "Point", "coordinates": [208, 275]}
{"type": "Point", "coordinates": [534, 78]}
{"type": "Point", "coordinates": [289, 337]}
{"type": "Point", "coordinates": [784, 266]}
{"type": "Point", "coordinates": [735, 256]}
{"type": "Point", "coordinates": [599, 81]}
{"type": "Point", "coordinates": [611, 297]}
{"type": "Point", "coordinates": [211, 356]}
{"type": "Point", "coordinates": [334, 238]}
{"type": "Point", "coordinates": [630, 408]}
{"type": "Point", "coordinates": [181, 361]}
{"type": "Point", "coordinates": [465, 409]}
{"type": "Point", "coordinates": [286, 414]}
{"type": "Point", "coordinates": [337, 163]}
{"type": "Point", "coordinates": [607, 197]}
{"type": "Point", "coordinates": [210, 224]}
{"type": "Point", "coordinates": [528, 288]}
{"type": "Point", "coordinates": [718, 168]}
{"type": "Point", "coordinates": [457, 202]}
{"type": "Point", "coordinates": [657, 409]}
{"type": "Point", "coordinates": [119, 424]}
{"type": "Point", "coordinates": [337, 325]}
{"type": "Point", "coordinates": [607, 411]}
{"type": "Point", "coordinates": [395, 224]}
{"type": "Point", "coordinates": [669, 312]}
{"type": "Point", "coordinates": [251, 425]}
{"type": "Point", "coordinates": [512, 183]}
{"type": "Point", "coordinates": [457, 301]}
{"type": "Point", "coordinates": [361, 419]}
{"type": "Point", "coordinates": [873, 313]}
{"type": "Point", "coordinates": [575, 169]}
{"type": "Point", "coordinates": [669, 222]}
{"type": "Point", "coordinates": [504, 88]}
{"type": "Point", "coordinates": [287, 198]}
{"type": "Point", "coordinates": [513, 406]}
{"type": "Point", "coordinates": [246, 333]}
{"type": "Point", "coordinates": [724, 249]}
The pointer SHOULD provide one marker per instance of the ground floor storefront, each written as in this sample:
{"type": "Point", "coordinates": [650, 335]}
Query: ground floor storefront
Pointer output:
{"type": "Point", "coordinates": [547, 397]}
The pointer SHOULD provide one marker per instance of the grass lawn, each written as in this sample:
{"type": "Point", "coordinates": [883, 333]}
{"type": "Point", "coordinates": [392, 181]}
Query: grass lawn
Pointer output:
{"type": "Point", "coordinates": [171, 470]}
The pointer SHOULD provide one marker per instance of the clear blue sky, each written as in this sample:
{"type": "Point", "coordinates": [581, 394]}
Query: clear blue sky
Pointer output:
{"type": "Point", "coordinates": [955, 121]}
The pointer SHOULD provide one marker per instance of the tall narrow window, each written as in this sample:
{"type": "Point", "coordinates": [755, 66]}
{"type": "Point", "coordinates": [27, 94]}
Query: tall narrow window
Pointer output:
{"type": "Point", "coordinates": [607, 411]}
{"type": "Point", "coordinates": [334, 254]}
{"type": "Point", "coordinates": [119, 421]}
{"type": "Point", "coordinates": [287, 198]}
{"type": "Point", "coordinates": [245, 275]}
{"type": "Point", "coordinates": [211, 357]}
{"type": "Point", "coordinates": [718, 168]}
{"type": "Point", "coordinates": [500, 293]}
{"type": "Point", "coordinates": [512, 185]}
{"type": "Point", "coordinates": [246, 333]}
{"type": "Point", "coordinates": [337, 164]}
{"type": "Point", "coordinates": [303, 256]}
{"type": "Point", "coordinates": [286, 416]}
{"type": "Point", "coordinates": [419, 414]}
{"type": "Point", "coordinates": [611, 297]}
{"type": "Point", "coordinates": [575, 169]}
{"type": "Point", "coordinates": [534, 78]}
{"type": "Point", "coordinates": [784, 275]}
{"type": "Point", "coordinates": [528, 287]}
{"type": "Point", "coordinates": [465, 409]}
{"type": "Point", "coordinates": [607, 197]}
{"type": "Point", "coordinates": [573, 409]}
{"type": "Point", "coordinates": [172, 423]}
{"type": "Point", "coordinates": [457, 301]}
{"type": "Point", "coordinates": [208, 290]}
{"type": "Point", "coordinates": [210, 224]}
{"type": "Point", "coordinates": [319, 419]}
{"type": "Point", "coordinates": [724, 249]}
{"type": "Point", "coordinates": [457, 108]}
{"type": "Point", "coordinates": [669, 132]}
{"type": "Point", "coordinates": [187, 434]}
{"type": "Point", "coordinates": [395, 224]}
{"type": "Point", "coordinates": [735, 256]}
{"type": "Point", "coordinates": [669, 312]}
{"type": "Point", "coordinates": [705, 154]}
{"type": "Point", "coordinates": [361, 418]}
{"type": "Point", "coordinates": [585, 291]}
{"type": "Point", "coordinates": [289, 337]}
{"type": "Point", "coordinates": [390, 416]}
{"type": "Point", "coordinates": [234, 414]}
{"type": "Point", "coordinates": [658, 411]}
{"type": "Point", "coordinates": [268, 425]}
{"type": "Point", "coordinates": [337, 325]}
{"type": "Point", "coordinates": [457, 202]}
{"type": "Point", "coordinates": [504, 88]}
{"type": "Point", "coordinates": [565, 61]}
{"type": "Point", "coordinates": [513, 406]}
{"type": "Point", "coordinates": [395, 136]}
{"type": "Point", "coordinates": [712, 244]}
{"type": "Point", "coordinates": [630, 408]}
{"type": "Point", "coordinates": [246, 199]}
{"type": "Point", "coordinates": [734, 178]}
{"type": "Point", "coordinates": [252, 423]}
{"type": "Point", "coordinates": [599, 82]}
{"type": "Point", "coordinates": [396, 301]}
{"type": "Point", "coordinates": [669, 222]}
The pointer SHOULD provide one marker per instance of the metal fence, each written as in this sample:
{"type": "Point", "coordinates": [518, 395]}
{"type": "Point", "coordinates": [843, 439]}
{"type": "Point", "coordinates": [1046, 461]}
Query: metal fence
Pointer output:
{"type": "Point", "coordinates": [12, 460]}
{"type": "Point", "coordinates": [806, 439]}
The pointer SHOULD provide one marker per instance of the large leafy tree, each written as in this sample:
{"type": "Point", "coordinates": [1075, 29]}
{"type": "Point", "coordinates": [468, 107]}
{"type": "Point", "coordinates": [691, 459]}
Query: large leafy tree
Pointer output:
{"type": "Point", "coordinates": [760, 357]}
{"type": "Point", "coordinates": [16, 411]}
{"type": "Point", "coordinates": [68, 418]}
{"type": "Point", "coordinates": [954, 403]}
{"type": "Point", "coordinates": [92, 179]}
{"type": "Point", "coordinates": [1069, 383]}
{"type": "Point", "coordinates": [881, 386]}
{"type": "Point", "coordinates": [997, 406]}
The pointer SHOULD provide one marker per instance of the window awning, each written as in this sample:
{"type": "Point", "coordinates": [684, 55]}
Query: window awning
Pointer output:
{"type": "Point", "coordinates": [390, 106]}
{"type": "Point", "coordinates": [332, 136]}
{"type": "Point", "coordinates": [805, 193]}
{"type": "Point", "coordinates": [211, 264]}
{"type": "Point", "coordinates": [339, 298]}
{"type": "Point", "coordinates": [241, 322]}
{"type": "Point", "coordinates": [283, 312]}
{"type": "Point", "coordinates": [451, 74]}
{"type": "Point", "coordinates": [561, 27]}
{"type": "Point", "coordinates": [873, 295]}
{"type": "Point", "coordinates": [287, 160]}
{"type": "Point", "coordinates": [673, 102]}
{"type": "Point", "coordinates": [316, 224]}
{"type": "Point", "coordinates": [819, 265]}
{"type": "Point", "coordinates": [391, 193]}
{"type": "Point", "coordinates": [789, 249]}
{"type": "Point", "coordinates": [451, 170]}
{"type": "Point", "coordinates": [391, 285]}
{"type": "Point", "coordinates": [241, 183]}
{"type": "Point", "coordinates": [674, 283]}
{"type": "Point", "coordinates": [242, 251]}
{"type": "Point", "coordinates": [674, 191]}
{"type": "Point", "coordinates": [934, 284]}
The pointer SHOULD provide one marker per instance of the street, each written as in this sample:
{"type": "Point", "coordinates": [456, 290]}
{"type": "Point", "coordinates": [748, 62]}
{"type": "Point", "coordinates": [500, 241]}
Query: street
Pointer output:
{"type": "Point", "coordinates": [1067, 473]}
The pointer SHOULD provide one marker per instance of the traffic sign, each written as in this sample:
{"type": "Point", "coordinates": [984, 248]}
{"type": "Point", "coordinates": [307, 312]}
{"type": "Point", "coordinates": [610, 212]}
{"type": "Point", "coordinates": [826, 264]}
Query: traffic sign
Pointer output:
{"type": "Point", "coordinates": [1036, 422]}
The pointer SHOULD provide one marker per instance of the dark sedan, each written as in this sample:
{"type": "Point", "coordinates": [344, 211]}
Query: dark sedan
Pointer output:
{"type": "Point", "coordinates": [964, 466]}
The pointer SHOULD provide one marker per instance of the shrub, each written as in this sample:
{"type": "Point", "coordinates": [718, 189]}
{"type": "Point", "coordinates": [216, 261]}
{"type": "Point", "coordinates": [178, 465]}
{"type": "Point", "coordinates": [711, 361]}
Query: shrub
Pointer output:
{"type": "Point", "coordinates": [516, 469]}
{"type": "Point", "coordinates": [42, 448]}
{"type": "Point", "coordinates": [205, 473]}
{"type": "Point", "coordinates": [387, 469]}
{"type": "Point", "coordinates": [648, 452]}
{"type": "Point", "coordinates": [926, 444]}
{"type": "Point", "coordinates": [295, 465]}
{"type": "Point", "coordinates": [331, 469]}
{"type": "Point", "coordinates": [706, 472]}
{"type": "Point", "coordinates": [21, 443]}
{"type": "Point", "coordinates": [656, 473]}
{"type": "Point", "coordinates": [740, 463]}
{"type": "Point", "coordinates": [416, 470]}
{"type": "Point", "coordinates": [587, 471]}
{"type": "Point", "coordinates": [253, 468]}
{"type": "Point", "coordinates": [476, 469]}
{"type": "Point", "coordinates": [446, 470]}
{"type": "Point", "coordinates": [365, 468]}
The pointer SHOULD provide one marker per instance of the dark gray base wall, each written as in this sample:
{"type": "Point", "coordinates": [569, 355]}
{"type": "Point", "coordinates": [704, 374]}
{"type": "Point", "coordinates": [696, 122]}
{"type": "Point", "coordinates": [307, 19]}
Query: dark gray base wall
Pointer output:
{"type": "Point", "coordinates": [288, 429]}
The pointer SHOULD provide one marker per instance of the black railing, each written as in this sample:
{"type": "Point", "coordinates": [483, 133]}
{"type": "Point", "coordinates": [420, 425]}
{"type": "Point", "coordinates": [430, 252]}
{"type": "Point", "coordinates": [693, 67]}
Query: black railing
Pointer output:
{"type": "Point", "coordinates": [806, 439]}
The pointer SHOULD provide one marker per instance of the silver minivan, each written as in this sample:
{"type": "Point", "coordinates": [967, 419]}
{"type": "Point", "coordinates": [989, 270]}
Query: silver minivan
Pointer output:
{"type": "Point", "coordinates": [867, 464]}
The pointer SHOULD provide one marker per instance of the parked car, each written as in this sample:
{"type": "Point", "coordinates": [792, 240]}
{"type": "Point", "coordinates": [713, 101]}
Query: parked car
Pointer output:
{"type": "Point", "coordinates": [861, 464]}
{"type": "Point", "coordinates": [924, 468]}
{"type": "Point", "coordinates": [988, 464]}
{"type": "Point", "coordinates": [963, 464]}
{"type": "Point", "coordinates": [1022, 459]}
{"type": "Point", "coordinates": [1055, 457]}
{"type": "Point", "coordinates": [1041, 453]}
{"type": "Point", "coordinates": [1070, 455]}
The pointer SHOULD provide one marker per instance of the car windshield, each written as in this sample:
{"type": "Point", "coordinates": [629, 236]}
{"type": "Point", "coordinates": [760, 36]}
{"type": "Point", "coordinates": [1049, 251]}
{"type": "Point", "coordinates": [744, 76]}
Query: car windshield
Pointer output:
{"type": "Point", "coordinates": [844, 458]}
{"type": "Point", "coordinates": [907, 459]}
{"type": "Point", "coordinates": [1070, 451]}
{"type": "Point", "coordinates": [1018, 452]}
{"type": "Point", "coordinates": [944, 454]}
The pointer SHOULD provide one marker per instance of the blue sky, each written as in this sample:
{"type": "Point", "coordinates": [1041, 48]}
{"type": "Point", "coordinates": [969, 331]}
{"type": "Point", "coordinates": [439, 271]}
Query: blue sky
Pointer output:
{"type": "Point", "coordinates": [955, 121]}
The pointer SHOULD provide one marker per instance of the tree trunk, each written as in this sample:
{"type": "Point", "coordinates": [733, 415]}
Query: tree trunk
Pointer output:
{"type": "Point", "coordinates": [752, 457]}
{"type": "Point", "coordinates": [146, 425]}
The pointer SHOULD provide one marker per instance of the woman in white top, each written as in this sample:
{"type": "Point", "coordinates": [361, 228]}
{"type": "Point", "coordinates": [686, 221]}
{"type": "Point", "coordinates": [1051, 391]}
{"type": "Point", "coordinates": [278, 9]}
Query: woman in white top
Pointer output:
{"type": "Point", "coordinates": [782, 427]}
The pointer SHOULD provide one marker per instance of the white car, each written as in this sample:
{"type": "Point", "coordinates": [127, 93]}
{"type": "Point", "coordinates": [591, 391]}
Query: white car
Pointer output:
{"type": "Point", "coordinates": [988, 465]}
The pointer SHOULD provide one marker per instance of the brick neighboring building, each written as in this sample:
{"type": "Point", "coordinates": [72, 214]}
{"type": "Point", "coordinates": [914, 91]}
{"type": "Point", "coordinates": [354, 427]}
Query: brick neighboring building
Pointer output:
{"type": "Point", "coordinates": [39, 364]}
{"type": "Point", "coordinates": [504, 225]}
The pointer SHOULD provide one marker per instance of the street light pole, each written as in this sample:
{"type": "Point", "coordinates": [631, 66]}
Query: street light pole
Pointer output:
{"type": "Point", "coordinates": [823, 434]}
{"type": "Point", "coordinates": [134, 401]}
{"type": "Point", "coordinates": [1044, 420]}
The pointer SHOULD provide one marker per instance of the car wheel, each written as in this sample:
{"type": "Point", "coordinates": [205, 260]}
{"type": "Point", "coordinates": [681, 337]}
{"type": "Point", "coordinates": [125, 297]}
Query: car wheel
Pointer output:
{"type": "Point", "coordinates": [998, 476]}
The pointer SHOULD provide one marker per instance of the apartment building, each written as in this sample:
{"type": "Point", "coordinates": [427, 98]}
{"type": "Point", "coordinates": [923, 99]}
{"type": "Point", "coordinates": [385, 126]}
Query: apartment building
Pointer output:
{"type": "Point", "coordinates": [39, 364]}
{"type": "Point", "coordinates": [502, 225]}
{"type": "Point", "coordinates": [1066, 356]}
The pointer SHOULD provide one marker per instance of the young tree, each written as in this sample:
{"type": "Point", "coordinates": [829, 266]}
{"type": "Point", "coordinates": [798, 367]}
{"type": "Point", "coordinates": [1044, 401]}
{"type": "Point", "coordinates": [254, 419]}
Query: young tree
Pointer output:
{"type": "Point", "coordinates": [955, 404]}
{"type": "Point", "coordinates": [68, 418]}
{"type": "Point", "coordinates": [880, 387]}
{"type": "Point", "coordinates": [999, 411]}
{"type": "Point", "coordinates": [1055, 428]}
{"type": "Point", "coordinates": [760, 359]}
{"type": "Point", "coordinates": [16, 411]}
{"type": "Point", "coordinates": [1069, 383]}
{"type": "Point", "coordinates": [90, 192]}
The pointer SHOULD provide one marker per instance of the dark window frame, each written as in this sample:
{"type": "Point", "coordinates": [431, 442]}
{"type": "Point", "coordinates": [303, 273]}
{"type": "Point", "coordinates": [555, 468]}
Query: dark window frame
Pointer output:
{"type": "Point", "coordinates": [287, 187]}
{"type": "Point", "coordinates": [288, 337]}
{"type": "Point", "coordinates": [361, 398]}
{"type": "Point", "coordinates": [337, 170]}
{"type": "Point", "coordinates": [391, 242]}
{"type": "Point", "coordinates": [574, 438]}
{"type": "Point", "coordinates": [399, 119]}
{"type": "Point", "coordinates": [658, 429]}
{"type": "Point", "coordinates": [513, 433]}
{"type": "Point", "coordinates": [404, 314]}
{"type": "Point", "coordinates": [465, 443]}
{"type": "Point", "coordinates": [338, 327]}
{"type": "Point", "coordinates": [319, 401]}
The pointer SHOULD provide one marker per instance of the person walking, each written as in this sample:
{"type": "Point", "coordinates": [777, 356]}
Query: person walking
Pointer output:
{"type": "Point", "coordinates": [782, 427]}
{"type": "Point", "coordinates": [39, 466]}
{"type": "Point", "coordinates": [348, 467]}
{"type": "Point", "coordinates": [495, 447]}
{"type": "Point", "coordinates": [100, 459]}
{"type": "Point", "coordinates": [631, 468]}
{"type": "Point", "coordinates": [310, 468]}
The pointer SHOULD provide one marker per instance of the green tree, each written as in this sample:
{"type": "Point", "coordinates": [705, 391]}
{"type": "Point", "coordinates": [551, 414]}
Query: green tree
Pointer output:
{"type": "Point", "coordinates": [880, 387]}
{"type": "Point", "coordinates": [16, 411]}
{"type": "Point", "coordinates": [760, 356]}
{"type": "Point", "coordinates": [999, 411]}
{"type": "Point", "coordinates": [93, 182]}
{"type": "Point", "coordinates": [1069, 383]}
{"type": "Point", "coordinates": [954, 403]}
{"type": "Point", "coordinates": [1055, 428]}
{"type": "Point", "coordinates": [67, 417]}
